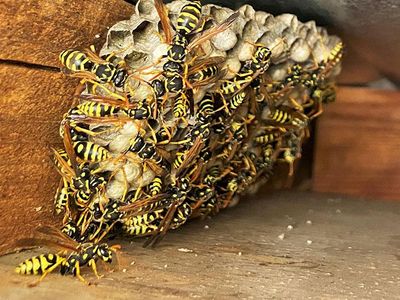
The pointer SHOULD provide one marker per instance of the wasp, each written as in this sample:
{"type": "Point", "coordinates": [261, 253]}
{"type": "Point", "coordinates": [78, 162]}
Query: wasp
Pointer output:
{"type": "Point", "coordinates": [89, 65]}
{"type": "Point", "coordinates": [91, 152]}
{"type": "Point", "coordinates": [177, 213]}
{"type": "Point", "coordinates": [86, 254]}
{"type": "Point", "coordinates": [145, 150]}
{"type": "Point", "coordinates": [292, 150]}
{"type": "Point", "coordinates": [64, 191]}
{"type": "Point", "coordinates": [314, 77]}
{"type": "Point", "coordinates": [258, 64]}
{"type": "Point", "coordinates": [287, 117]}
{"type": "Point", "coordinates": [72, 230]}
{"type": "Point", "coordinates": [189, 18]}
{"type": "Point", "coordinates": [155, 186]}
{"type": "Point", "coordinates": [269, 136]}
{"type": "Point", "coordinates": [78, 178]}
{"type": "Point", "coordinates": [198, 195]}
{"type": "Point", "coordinates": [234, 85]}
{"type": "Point", "coordinates": [182, 214]}
{"type": "Point", "coordinates": [180, 108]}
{"type": "Point", "coordinates": [206, 106]}
{"type": "Point", "coordinates": [100, 106]}
{"type": "Point", "coordinates": [101, 217]}
{"type": "Point", "coordinates": [39, 264]}
{"type": "Point", "coordinates": [212, 175]}
{"type": "Point", "coordinates": [143, 225]}
{"type": "Point", "coordinates": [149, 222]}
{"type": "Point", "coordinates": [236, 101]}
{"type": "Point", "coordinates": [210, 206]}
{"type": "Point", "coordinates": [204, 73]}
{"type": "Point", "coordinates": [323, 94]}
{"type": "Point", "coordinates": [175, 67]}
{"type": "Point", "coordinates": [239, 131]}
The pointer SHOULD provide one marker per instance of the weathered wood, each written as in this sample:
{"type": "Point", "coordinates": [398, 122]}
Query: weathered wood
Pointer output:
{"type": "Point", "coordinates": [358, 145]}
{"type": "Point", "coordinates": [36, 31]}
{"type": "Point", "coordinates": [32, 103]}
{"type": "Point", "coordinates": [239, 256]}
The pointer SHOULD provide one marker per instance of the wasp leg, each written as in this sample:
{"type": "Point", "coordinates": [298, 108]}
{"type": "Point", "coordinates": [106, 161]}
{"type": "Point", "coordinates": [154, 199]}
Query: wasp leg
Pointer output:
{"type": "Point", "coordinates": [45, 273]}
{"type": "Point", "coordinates": [78, 273]}
{"type": "Point", "coordinates": [92, 264]}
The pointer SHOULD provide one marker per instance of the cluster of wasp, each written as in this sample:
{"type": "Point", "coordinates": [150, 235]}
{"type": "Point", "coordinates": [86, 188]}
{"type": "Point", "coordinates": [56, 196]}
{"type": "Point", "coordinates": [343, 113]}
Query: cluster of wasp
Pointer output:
{"type": "Point", "coordinates": [194, 157]}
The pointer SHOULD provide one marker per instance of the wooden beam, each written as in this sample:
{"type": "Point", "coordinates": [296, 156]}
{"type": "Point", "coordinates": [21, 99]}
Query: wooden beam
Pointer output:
{"type": "Point", "coordinates": [358, 145]}
{"type": "Point", "coordinates": [32, 103]}
{"type": "Point", "coordinates": [37, 31]}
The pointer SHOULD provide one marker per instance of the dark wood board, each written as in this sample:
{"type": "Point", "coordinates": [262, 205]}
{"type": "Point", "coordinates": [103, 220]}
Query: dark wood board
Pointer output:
{"type": "Point", "coordinates": [36, 32]}
{"type": "Point", "coordinates": [358, 145]}
{"type": "Point", "coordinates": [32, 103]}
{"type": "Point", "coordinates": [240, 256]}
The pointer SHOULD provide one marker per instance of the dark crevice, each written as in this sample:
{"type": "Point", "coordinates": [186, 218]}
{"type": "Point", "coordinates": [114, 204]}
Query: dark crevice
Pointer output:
{"type": "Point", "coordinates": [11, 62]}
{"type": "Point", "coordinates": [131, 1]}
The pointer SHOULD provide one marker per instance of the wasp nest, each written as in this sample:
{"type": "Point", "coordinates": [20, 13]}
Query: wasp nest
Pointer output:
{"type": "Point", "coordinates": [187, 108]}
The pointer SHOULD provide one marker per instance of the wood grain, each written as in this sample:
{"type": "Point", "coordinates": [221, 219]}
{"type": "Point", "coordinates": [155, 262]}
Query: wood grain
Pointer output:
{"type": "Point", "coordinates": [32, 103]}
{"type": "Point", "coordinates": [34, 99]}
{"type": "Point", "coordinates": [238, 255]}
{"type": "Point", "coordinates": [36, 31]}
{"type": "Point", "coordinates": [358, 145]}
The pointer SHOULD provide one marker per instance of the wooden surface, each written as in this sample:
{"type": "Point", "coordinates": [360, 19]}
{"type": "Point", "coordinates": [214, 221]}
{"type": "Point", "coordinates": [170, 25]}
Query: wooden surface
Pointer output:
{"type": "Point", "coordinates": [241, 256]}
{"type": "Point", "coordinates": [358, 145]}
{"type": "Point", "coordinates": [37, 31]}
{"type": "Point", "coordinates": [31, 107]}
{"type": "Point", "coordinates": [35, 95]}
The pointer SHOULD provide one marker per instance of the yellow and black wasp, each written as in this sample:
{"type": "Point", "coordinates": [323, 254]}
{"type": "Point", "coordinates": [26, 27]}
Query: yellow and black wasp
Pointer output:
{"type": "Point", "coordinates": [74, 255]}
{"type": "Point", "coordinates": [268, 135]}
{"type": "Point", "coordinates": [147, 151]}
{"type": "Point", "coordinates": [175, 68]}
{"type": "Point", "coordinates": [177, 211]}
{"type": "Point", "coordinates": [88, 65]}
{"type": "Point", "coordinates": [155, 186]}
{"type": "Point", "coordinates": [286, 116]}
{"type": "Point", "coordinates": [251, 69]}
{"type": "Point", "coordinates": [78, 179]}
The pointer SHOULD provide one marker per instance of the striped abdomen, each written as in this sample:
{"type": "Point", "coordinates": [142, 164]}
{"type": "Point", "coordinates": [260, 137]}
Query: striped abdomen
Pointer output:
{"type": "Point", "coordinates": [180, 107]}
{"type": "Point", "coordinates": [237, 100]}
{"type": "Point", "coordinates": [336, 53]}
{"type": "Point", "coordinates": [180, 157]}
{"type": "Point", "coordinates": [267, 138]}
{"type": "Point", "coordinates": [182, 213]}
{"type": "Point", "coordinates": [204, 74]}
{"type": "Point", "coordinates": [189, 18]}
{"type": "Point", "coordinates": [91, 152]}
{"type": "Point", "coordinates": [61, 199]}
{"type": "Point", "coordinates": [39, 264]}
{"type": "Point", "coordinates": [281, 116]}
{"type": "Point", "coordinates": [96, 109]}
{"type": "Point", "coordinates": [234, 85]}
{"type": "Point", "coordinates": [144, 224]}
{"type": "Point", "coordinates": [76, 61]}
{"type": "Point", "coordinates": [206, 105]}
{"type": "Point", "coordinates": [155, 186]}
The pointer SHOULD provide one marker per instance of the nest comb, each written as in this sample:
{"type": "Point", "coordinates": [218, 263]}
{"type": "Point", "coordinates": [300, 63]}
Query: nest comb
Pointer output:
{"type": "Point", "coordinates": [244, 141]}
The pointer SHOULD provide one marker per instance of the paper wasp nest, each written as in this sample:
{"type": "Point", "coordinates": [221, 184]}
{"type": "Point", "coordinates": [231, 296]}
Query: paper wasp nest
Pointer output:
{"type": "Point", "coordinates": [139, 42]}
{"type": "Point", "coordinates": [259, 111]}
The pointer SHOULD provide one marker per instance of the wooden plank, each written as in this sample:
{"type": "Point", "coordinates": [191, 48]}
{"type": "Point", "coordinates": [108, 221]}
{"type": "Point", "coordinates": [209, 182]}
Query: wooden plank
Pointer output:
{"type": "Point", "coordinates": [239, 256]}
{"type": "Point", "coordinates": [31, 109]}
{"type": "Point", "coordinates": [36, 31]}
{"type": "Point", "coordinates": [358, 145]}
